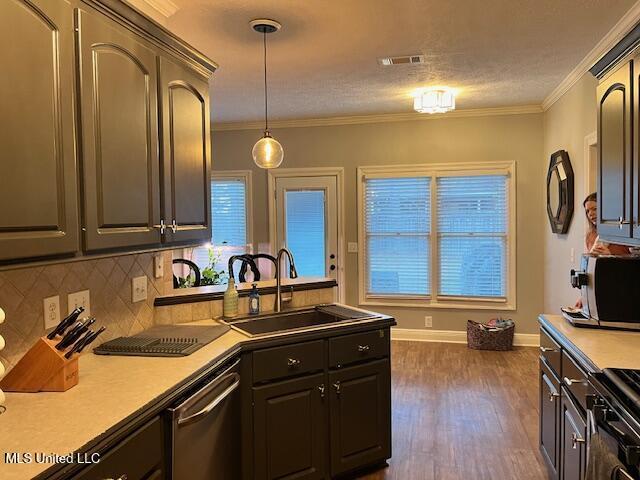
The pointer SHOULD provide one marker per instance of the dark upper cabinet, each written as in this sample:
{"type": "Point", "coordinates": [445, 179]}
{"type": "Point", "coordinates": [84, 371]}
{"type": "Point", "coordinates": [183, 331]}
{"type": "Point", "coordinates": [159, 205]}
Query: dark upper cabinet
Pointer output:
{"type": "Point", "coordinates": [118, 100]}
{"type": "Point", "coordinates": [289, 429]}
{"type": "Point", "coordinates": [549, 425]}
{"type": "Point", "coordinates": [635, 185]}
{"type": "Point", "coordinates": [38, 207]}
{"type": "Point", "coordinates": [186, 152]}
{"type": "Point", "coordinates": [615, 153]}
{"type": "Point", "coordinates": [360, 416]}
{"type": "Point", "coordinates": [573, 445]}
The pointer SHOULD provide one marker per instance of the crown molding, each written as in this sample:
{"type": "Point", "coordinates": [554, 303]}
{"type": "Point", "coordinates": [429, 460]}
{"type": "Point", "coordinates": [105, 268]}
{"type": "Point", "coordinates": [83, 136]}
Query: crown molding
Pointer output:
{"type": "Point", "coordinates": [384, 118]}
{"type": "Point", "coordinates": [166, 8]}
{"type": "Point", "coordinates": [619, 30]}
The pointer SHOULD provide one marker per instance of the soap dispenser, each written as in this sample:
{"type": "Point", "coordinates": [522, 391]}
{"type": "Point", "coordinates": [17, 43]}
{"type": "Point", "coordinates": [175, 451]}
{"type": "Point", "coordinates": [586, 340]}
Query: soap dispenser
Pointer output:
{"type": "Point", "coordinates": [254, 300]}
{"type": "Point", "coordinates": [230, 300]}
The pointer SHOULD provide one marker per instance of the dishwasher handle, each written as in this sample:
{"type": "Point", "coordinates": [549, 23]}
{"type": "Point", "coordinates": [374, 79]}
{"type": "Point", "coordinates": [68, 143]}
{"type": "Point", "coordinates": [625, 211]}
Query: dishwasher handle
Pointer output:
{"type": "Point", "coordinates": [215, 402]}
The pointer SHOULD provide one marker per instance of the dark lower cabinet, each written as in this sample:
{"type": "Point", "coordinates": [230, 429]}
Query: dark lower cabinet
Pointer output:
{"type": "Point", "coordinates": [140, 456]}
{"type": "Point", "coordinates": [290, 420]}
{"type": "Point", "coordinates": [360, 422]}
{"type": "Point", "coordinates": [574, 434]}
{"type": "Point", "coordinates": [549, 425]}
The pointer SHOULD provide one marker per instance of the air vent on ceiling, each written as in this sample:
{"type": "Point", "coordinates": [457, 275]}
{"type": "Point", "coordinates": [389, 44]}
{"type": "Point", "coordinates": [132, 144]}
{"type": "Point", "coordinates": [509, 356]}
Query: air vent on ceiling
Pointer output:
{"type": "Point", "coordinates": [402, 60]}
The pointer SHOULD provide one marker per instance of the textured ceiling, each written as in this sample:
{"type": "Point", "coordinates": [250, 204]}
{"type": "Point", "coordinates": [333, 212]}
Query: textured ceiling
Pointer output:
{"type": "Point", "coordinates": [323, 62]}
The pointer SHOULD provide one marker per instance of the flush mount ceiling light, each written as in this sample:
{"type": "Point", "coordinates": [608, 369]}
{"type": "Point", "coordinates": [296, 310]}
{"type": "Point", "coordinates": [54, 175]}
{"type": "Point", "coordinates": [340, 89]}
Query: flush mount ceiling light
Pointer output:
{"type": "Point", "coordinates": [267, 152]}
{"type": "Point", "coordinates": [434, 100]}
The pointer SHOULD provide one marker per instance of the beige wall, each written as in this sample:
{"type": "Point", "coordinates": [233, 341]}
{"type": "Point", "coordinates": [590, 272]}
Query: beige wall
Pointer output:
{"type": "Point", "coordinates": [498, 138]}
{"type": "Point", "coordinates": [566, 124]}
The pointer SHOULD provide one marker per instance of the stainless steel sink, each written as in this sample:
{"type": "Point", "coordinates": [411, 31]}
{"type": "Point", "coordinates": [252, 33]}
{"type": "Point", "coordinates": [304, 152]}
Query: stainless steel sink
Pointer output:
{"type": "Point", "coordinates": [298, 320]}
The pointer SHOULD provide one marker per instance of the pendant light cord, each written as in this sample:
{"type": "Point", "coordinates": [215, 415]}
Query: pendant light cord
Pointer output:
{"type": "Point", "coordinates": [266, 110]}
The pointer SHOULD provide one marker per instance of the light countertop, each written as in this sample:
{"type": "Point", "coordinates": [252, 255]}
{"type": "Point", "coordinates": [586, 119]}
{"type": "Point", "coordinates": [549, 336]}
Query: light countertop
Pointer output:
{"type": "Point", "coordinates": [604, 348]}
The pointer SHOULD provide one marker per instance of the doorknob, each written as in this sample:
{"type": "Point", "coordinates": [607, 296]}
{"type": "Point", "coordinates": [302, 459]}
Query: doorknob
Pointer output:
{"type": "Point", "coordinates": [332, 256]}
{"type": "Point", "coordinates": [332, 267]}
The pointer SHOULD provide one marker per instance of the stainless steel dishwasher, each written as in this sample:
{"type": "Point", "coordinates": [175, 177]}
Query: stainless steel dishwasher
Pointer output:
{"type": "Point", "coordinates": [205, 429]}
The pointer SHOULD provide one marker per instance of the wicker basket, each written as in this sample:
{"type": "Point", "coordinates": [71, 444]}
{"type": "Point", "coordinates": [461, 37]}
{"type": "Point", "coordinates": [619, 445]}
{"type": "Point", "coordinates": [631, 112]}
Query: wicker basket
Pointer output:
{"type": "Point", "coordinates": [480, 339]}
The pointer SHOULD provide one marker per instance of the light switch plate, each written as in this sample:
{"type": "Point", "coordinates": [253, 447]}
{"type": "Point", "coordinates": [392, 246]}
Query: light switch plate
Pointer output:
{"type": "Point", "coordinates": [79, 299]}
{"type": "Point", "coordinates": [51, 312]}
{"type": "Point", "coordinates": [139, 289]}
{"type": "Point", "coordinates": [352, 247]}
{"type": "Point", "coordinates": [158, 266]}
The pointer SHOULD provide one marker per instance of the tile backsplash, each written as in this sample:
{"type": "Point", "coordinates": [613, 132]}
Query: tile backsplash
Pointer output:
{"type": "Point", "coordinates": [108, 279]}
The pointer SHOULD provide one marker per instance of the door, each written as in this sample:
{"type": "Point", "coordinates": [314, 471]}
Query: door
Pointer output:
{"type": "Point", "coordinates": [118, 101]}
{"type": "Point", "coordinates": [574, 431]}
{"type": "Point", "coordinates": [290, 429]}
{"type": "Point", "coordinates": [549, 425]}
{"type": "Point", "coordinates": [306, 217]}
{"type": "Point", "coordinates": [38, 207]}
{"type": "Point", "coordinates": [614, 154]}
{"type": "Point", "coordinates": [360, 416]}
{"type": "Point", "coordinates": [186, 163]}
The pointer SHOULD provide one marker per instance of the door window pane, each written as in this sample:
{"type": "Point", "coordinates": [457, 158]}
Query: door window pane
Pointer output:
{"type": "Point", "coordinates": [305, 230]}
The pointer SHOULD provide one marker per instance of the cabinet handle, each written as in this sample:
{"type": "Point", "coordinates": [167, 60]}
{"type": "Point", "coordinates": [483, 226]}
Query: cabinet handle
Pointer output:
{"type": "Point", "coordinates": [162, 227]}
{"type": "Point", "coordinates": [571, 381]}
{"type": "Point", "coordinates": [553, 396]}
{"type": "Point", "coordinates": [575, 440]}
{"type": "Point", "coordinates": [337, 387]}
{"type": "Point", "coordinates": [293, 362]}
{"type": "Point", "coordinates": [121, 477]}
{"type": "Point", "coordinates": [546, 349]}
{"type": "Point", "coordinates": [321, 390]}
{"type": "Point", "coordinates": [622, 222]}
{"type": "Point", "coordinates": [363, 348]}
{"type": "Point", "coordinates": [174, 226]}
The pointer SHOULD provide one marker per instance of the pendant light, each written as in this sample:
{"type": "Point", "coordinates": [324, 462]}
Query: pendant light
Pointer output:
{"type": "Point", "coordinates": [267, 152]}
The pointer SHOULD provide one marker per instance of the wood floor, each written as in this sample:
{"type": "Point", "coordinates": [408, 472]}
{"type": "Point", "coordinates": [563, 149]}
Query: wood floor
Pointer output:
{"type": "Point", "coordinates": [463, 414]}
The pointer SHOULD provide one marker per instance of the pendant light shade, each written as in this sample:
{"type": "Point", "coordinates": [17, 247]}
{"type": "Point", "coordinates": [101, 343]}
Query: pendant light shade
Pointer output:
{"type": "Point", "coordinates": [267, 152]}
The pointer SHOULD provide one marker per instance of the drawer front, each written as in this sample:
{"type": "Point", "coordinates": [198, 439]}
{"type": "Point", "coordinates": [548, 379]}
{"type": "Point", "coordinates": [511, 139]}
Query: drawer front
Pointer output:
{"type": "Point", "coordinates": [358, 347]}
{"type": "Point", "coordinates": [551, 352]}
{"type": "Point", "coordinates": [575, 380]}
{"type": "Point", "coordinates": [287, 361]}
{"type": "Point", "coordinates": [139, 456]}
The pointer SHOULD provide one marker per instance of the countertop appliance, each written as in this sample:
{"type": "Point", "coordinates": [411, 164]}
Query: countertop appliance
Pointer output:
{"type": "Point", "coordinates": [614, 413]}
{"type": "Point", "coordinates": [610, 289]}
{"type": "Point", "coordinates": [204, 428]}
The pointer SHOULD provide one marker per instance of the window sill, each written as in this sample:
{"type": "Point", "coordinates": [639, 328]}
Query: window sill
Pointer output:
{"type": "Point", "coordinates": [426, 303]}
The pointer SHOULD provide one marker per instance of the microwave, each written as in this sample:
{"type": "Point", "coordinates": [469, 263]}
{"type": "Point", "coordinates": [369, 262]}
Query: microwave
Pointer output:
{"type": "Point", "coordinates": [610, 291]}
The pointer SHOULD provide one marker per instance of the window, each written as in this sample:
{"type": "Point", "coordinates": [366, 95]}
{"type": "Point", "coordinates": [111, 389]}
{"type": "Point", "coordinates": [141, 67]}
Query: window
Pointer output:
{"type": "Point", "coordinates": [230, 204]}
{"type": "Point", "coordinates": [438, 235]}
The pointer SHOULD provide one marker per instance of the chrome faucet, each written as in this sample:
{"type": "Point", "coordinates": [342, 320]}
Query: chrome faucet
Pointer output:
{"type": "Point", "coordinates": [292, 274]}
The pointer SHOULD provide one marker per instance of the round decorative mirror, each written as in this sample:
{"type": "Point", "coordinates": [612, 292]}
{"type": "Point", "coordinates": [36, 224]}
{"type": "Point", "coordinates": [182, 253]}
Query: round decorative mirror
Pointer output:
{"type": "Point", "coordinates": [560, 192]}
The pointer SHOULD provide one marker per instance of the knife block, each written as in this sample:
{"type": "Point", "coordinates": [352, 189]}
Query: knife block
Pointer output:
{"type": "Point", "coordinates": [42, 369]}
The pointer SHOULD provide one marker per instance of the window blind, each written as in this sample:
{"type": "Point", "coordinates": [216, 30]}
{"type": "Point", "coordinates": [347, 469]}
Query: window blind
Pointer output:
{"type": "Point", "coordinates": [228, 221]}
{"type": "Point", "coordinates": [305, 230]}
{"type": "Point", "coordinates": [397, 227]}
{"type": "Point", "coordinates": [472, 235]}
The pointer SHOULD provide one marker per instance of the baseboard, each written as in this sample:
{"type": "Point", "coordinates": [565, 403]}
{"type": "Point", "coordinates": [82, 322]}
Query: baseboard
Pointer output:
{"type": "Point", "coordinates": [452, 336]}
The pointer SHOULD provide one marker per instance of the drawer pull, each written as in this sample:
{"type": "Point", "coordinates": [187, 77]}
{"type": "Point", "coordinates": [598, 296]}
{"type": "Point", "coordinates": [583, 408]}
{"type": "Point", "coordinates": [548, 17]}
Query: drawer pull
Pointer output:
{"type": "Point", "coordinates": [121, 477]}
{"type": "Point", "coordinates": [293, 362]}
{"type": "Point", "coordinates": [321, 390]}
{"type": "Point", "coordinates": [337, 387]}
{"type": "Point", "coordinates": [575, 440]}
{"type": "Point", "coordinates": [553, 396]}
{"type": "Point", "coordinates": [363, 348]}
{"type": "Point", "coordinates": [546, 349]}
{"type": "Point", "coordinates": [571, 381]}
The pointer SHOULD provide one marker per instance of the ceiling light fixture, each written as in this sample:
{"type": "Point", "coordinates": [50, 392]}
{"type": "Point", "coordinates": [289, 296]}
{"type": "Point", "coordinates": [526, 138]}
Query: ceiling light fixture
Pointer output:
{"type": "Point", "coordinates": [267, 152]}
{"type": "Point", "coordinates": [434, 100]}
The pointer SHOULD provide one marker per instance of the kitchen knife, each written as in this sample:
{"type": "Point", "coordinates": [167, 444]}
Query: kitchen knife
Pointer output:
{"type": "Point", "coordinates": [78, 344]}
{"type": "Point", "coordinates": [64, 324]}
{"type": "Point", "coordinates": [75, 333]}
{"type": "Point", "coordinates": [90, 339]}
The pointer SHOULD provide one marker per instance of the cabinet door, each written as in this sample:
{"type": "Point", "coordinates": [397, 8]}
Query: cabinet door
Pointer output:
{"type": "Point", "coordinates": [186, 153]}
{"type": "Point", "coordinates": [118, 77]}
{"type": "Point", "coordinates": [290, 429]}
{"type": "Point", "coordinates": [549, 424]}
{"type": "Point", "coordinates": [614, 154]}
{"type": "Point", "coordinates": [360, 416]}
{"type": "Point", "coordinates": [636, 156]}
{"type": "Point", "coordinates": [38, 207]}
{"type": "Point", "coordinates": [574, 433]}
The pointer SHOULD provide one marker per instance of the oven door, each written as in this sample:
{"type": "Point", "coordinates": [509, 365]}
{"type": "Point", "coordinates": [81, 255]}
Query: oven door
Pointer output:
{"type": "Point", "coordinates": [617, 435]}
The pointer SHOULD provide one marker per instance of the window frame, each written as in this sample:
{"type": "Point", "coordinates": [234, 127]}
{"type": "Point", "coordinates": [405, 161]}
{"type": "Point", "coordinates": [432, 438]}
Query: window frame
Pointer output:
{"type": "Point", "coordinates": [433, 171]}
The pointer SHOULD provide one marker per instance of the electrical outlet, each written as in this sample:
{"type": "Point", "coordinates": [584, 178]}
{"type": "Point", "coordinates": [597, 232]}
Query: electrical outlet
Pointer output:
{"type": "Point", "coordinates": [79, 299]}
{"type": "Point", "coordinates": [139, 289]}
{"type": "Point", "coordinates": [158, 266]}
{"type": "Point", "coordinates": [428, 322]}
{"type": "Point", "coordinates": [352, 247]}
{"type": "Point", "coordinates": [51, 312]}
